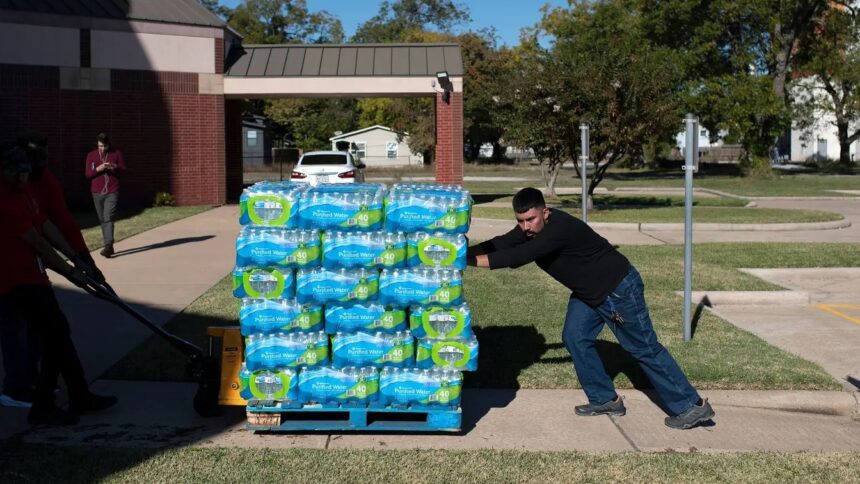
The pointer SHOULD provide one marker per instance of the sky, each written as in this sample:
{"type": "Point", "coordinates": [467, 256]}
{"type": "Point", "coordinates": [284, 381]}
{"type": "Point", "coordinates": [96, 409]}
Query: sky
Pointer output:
{"type": "Point", "coordinates": [506, 16]}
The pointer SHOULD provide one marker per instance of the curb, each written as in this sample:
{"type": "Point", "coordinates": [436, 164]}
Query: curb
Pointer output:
{"type": "Point", "coordinates": [749, 298]}
{"type": "Point", "coordinates": [717, 227]}
{"type": "Point", "coordinates": [801, 401]}
{"type": "Point", "coordinates": [750, 197]}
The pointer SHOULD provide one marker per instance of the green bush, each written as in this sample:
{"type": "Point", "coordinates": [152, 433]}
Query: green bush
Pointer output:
{"type": "Point", "coordinates": [756, 167]}
{"type": "Point", "coordinates": [163, 199]}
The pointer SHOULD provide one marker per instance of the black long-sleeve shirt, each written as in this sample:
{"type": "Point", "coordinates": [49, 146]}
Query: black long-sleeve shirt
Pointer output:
{"type": "Point", "coordinates": [568, 250]}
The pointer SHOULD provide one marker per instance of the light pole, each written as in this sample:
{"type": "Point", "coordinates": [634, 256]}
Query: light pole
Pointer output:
{"type": "Point", "coordinates": [583, 130]}
{"type": "Point", "coordinates": [691, 164]}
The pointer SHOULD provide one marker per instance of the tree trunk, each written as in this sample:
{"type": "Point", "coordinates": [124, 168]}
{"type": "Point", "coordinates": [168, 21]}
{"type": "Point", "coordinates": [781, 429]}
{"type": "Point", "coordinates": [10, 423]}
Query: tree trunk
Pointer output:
{"type": "Point", "coordinates": [844, 144]}
{"type": "Point", "coordinates": [552, 171]}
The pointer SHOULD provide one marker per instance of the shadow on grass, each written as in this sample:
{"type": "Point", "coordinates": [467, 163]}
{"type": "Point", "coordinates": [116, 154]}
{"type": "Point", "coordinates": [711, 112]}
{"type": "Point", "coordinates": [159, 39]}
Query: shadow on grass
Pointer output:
{"type": "Point", "coordinates": [505, 351]}
{"type": "Point", "coordinates": [161, 245]}
{"type": "Point", "coordinates": [488, 197]}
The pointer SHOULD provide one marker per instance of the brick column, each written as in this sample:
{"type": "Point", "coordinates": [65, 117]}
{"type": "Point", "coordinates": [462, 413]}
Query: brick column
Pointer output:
{"type": "Point", "coordinates": [449, 139]}
{"type": "Point", "coordinates": [233, 147]}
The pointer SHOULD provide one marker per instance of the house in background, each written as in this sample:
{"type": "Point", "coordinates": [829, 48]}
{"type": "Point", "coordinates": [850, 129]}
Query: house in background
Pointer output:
{"type": "Point", "coordinates": [378, 146]}
{"type": "Point", "coordinates": [256, 141]}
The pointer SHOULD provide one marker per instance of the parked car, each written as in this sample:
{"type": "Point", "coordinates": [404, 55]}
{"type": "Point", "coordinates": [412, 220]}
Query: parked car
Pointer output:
{"type": "Point", "coordinates": [317, 167]}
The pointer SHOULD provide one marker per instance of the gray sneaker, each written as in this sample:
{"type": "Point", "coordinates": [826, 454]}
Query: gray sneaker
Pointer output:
{"type": "Point", "coordinates": [612, 407]}
{"type": "Point", "coordinates": [692, 416]}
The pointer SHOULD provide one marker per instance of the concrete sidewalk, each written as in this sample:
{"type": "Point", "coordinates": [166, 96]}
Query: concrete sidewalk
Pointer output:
{"type": "Point", "coordinates": [529, 420]}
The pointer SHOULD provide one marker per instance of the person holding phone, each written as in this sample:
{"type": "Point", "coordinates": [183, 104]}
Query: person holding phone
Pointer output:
{"type": "Point", "coordinates": [103, 168]}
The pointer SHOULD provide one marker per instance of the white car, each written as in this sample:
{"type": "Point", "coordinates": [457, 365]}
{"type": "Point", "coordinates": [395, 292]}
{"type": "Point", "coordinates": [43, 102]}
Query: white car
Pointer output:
{"type": "Point", "coordinates": [317, 167]}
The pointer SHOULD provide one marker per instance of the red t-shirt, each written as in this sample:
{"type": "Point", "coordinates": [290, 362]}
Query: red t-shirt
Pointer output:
{"type": "Point", "coordinates": [21, 265]}
{"type": "Point", "coordinates": [49, 194]}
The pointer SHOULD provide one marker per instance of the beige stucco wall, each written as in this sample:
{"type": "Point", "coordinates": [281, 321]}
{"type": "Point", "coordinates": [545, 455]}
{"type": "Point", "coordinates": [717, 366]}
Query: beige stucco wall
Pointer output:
{"type": "Point", "coordinates": [376, 141]}
{"type": "Point", "coordinates": [242, 87]}
{"type": "Point", "coordinates": [39, 45]}
{"type": "Point", "coordinates": [158, 52]}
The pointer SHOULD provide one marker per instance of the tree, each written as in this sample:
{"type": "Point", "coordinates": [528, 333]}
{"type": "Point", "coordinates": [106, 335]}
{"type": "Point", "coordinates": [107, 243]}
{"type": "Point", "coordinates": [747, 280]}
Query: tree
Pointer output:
{"type": "Point", "coordinates": [409, 21]}
{"type": "Point", "coordinates": [737, 56]}
{"type": "Point", "coordinates": [829, 56]}
{"type": "Point", "coordinates": [283, 22]}
{"type": "Point", "coordinates": [402, 20]}
{"type": "Point", "coordinates": [530, 109]}
{"type": "Point", "coordinates": [628, 94]}
{"type": "Point", "coordinates": [484, 71]}
{"type": "Point", "coordinates": [214, 7]}
{"type": "Point", "coordinates": [311, 122]}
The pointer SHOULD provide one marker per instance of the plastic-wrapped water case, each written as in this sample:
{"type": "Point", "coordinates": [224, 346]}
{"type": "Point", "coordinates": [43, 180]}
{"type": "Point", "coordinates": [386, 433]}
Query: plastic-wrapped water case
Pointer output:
{"type": "Point", "coordinates": [277, 247]}
{"type": "Point", "coordinates": [272, 316]}
{"type": "Point", "coordinates": [336, 285]}
{"type": "Point", "coordinates": [368, 317]}
{"type": "Point", "coordinates": [378, 349]}
{"type": "Point", "coordinates": [363, 249]}
{"type": "Point", "coordinates": [271, 204]}
{"type": "Point", "coordinates": [347, 206]}
{"type": "Point", "coordinates": [280, 385]}
{"type": "Point", "coordinates": [404, 287]}
{"type": "Point", "coordinates": [456, 353]}
{"type": "Point", "coordinates": [264, 282]}
{"type": "Point", "coordinates": [270, 352]}
{"type": "Point", "coordinates": [428, 208]}
{"type": "Point", "coordinates": [411, 387]}
{"type": "Point", "coordinates": [347, 387]}
{"type": "Point", "coordinates": [436, 250]}
{"type": "Point", "coordinates": [440, 322]}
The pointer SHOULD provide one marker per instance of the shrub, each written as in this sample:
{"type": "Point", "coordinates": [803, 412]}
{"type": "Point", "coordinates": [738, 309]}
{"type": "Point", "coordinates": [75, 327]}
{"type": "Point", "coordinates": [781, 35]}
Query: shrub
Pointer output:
{"type": "Point", "coordinates": [163, 199]}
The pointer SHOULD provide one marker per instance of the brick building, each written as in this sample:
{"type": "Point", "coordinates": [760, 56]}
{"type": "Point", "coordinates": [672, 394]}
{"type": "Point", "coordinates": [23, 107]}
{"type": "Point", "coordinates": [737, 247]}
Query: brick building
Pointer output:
{"type": "Point", "coordinates": [151, 74]}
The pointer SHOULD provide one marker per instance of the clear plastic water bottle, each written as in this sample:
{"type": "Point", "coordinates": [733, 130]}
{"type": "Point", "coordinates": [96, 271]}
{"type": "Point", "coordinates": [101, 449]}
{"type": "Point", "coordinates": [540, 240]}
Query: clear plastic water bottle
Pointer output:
{"type": "Point", "coordinates": [245, 383]}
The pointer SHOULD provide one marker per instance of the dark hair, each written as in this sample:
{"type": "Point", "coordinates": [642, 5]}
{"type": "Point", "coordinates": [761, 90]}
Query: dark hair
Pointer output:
{"type": "Point", "coordinates": [527, 199]}
{"type": "Point", "coordinates": [103, 138]}
{"type": "Point", "coordinates": [13, 159]}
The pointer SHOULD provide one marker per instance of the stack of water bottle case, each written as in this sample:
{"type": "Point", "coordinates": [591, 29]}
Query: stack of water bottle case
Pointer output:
{"type": "Point", "coordinates": [352, 296]}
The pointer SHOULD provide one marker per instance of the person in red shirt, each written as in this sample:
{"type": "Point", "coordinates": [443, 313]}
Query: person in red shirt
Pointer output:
{"type": "Point", "coordinates": [27, 246]}
{"type": "Point", "coordinates": [21, 351]}
{"type": "Point", "coordinates": [103, 167]}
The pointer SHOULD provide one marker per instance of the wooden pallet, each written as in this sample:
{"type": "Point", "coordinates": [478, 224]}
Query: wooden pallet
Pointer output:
{"type": "Point", "coordinates": [335, 419]}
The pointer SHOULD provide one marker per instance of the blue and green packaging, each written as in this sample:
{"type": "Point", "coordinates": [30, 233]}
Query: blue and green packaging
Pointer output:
{"type": "Point", "coordinates": [264, 282]}
{"type": "Point", "coordinates": [347, 206]}
{"type": "Point", "coordinates": [349, 386]}
{"type": "Point", "coordinates": [364, 249]}
{"type": "Point", "coordinates": [455, 353]}
{"type": "Point", "coordinates": [271, 204]}
{"type": "Point", "coordinates": [419, 286]}
{"type": "Point", "coordinates": [279, 385]}
{"type": "Point", "coordinates": [293, 350]}
{"type": "Point", "coordinates": [440, 321]}
{"type": "Point", "coordinates": [336, 285]}
{"type": "Point", "coordinates": [272, 316]}
{"type": "Point", "coordinates": [367, 317]}
{"type": "Point", "coordinates": [411, 387]}
{"type": "Point", "coordinates": [378, 349]}
{"type": "Point", "coordinates": [278, 247]}
{"type": "Point", "coordinates": [436, 250]}
{"type": "Point", "coordinates": [428, 208]}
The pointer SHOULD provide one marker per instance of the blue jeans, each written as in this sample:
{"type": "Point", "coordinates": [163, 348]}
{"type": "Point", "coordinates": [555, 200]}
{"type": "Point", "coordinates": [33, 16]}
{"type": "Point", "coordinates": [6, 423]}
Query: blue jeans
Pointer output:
{"type": "Point", "coordinates": [636, 335]}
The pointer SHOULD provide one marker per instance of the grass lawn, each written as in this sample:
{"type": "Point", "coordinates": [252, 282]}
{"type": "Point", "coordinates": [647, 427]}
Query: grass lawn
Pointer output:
{"type": "Point", "coordinates": [33, 463]}
{"type": "Point", "coordinates": [129, 224]}
{"type": "Point", "coordinates": [675, 214]}
{"type": "Point", "coordinates": [519, 329]}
